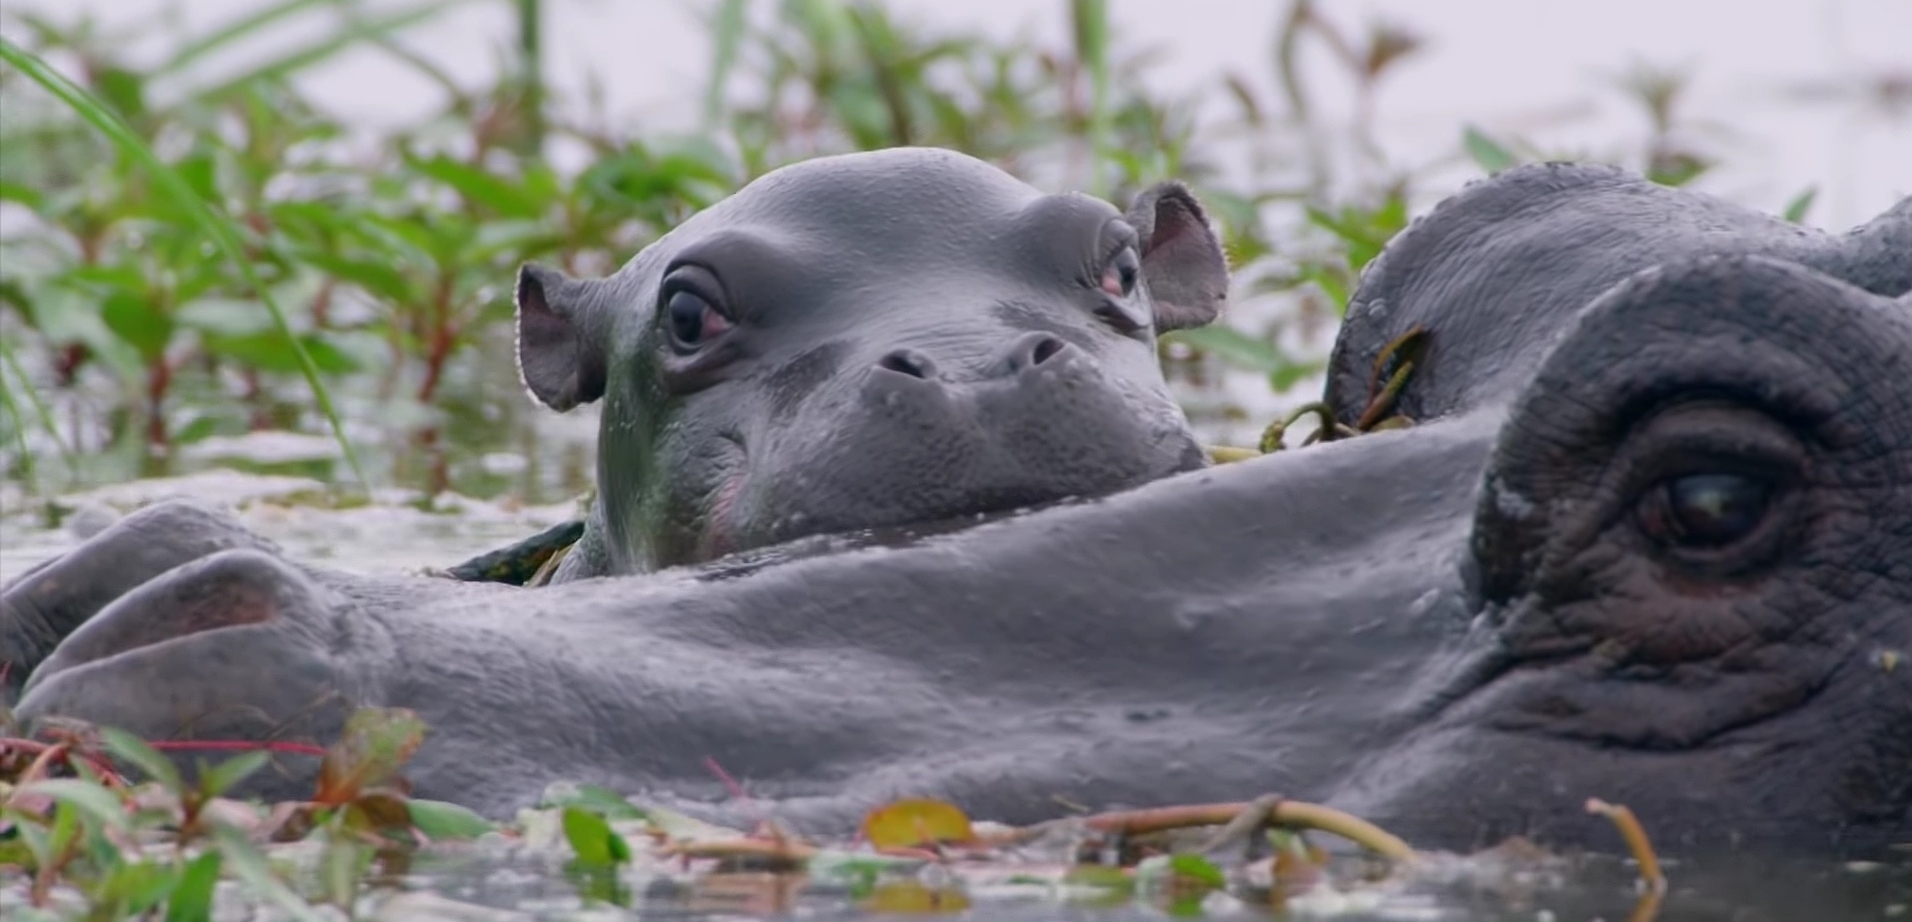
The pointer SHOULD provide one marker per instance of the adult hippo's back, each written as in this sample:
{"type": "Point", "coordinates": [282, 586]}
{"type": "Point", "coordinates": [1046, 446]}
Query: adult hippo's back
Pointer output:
{"type": "Point", "coordinates": [1669, 563]}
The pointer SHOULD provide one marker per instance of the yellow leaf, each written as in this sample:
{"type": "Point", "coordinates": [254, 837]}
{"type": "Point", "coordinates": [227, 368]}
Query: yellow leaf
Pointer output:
{"type": "Point", "coordinates": [910, 896]}
{"type": "Point", "coordinates": [909, 823]}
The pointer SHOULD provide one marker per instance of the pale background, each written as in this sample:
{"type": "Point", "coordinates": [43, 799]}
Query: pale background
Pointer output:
{"type": "Point", "coordinates": [1528, 66]}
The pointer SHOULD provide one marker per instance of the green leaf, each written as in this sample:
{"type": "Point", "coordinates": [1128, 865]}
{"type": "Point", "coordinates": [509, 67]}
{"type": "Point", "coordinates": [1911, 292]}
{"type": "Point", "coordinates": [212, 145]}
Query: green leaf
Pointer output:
{"type": "Point", "coordinates": [37, 840]}
{"type": "Point", "coordinates": [498, 194]}
{"type": "Point", "coordinates": [592, 839]}
{"type": "Point", "coordinates": [200, 173]}
{"type": "Point", "coordinates": [1677, 169]}
{"type": "Point", "coordinates": [123, 90]}
{"type": "Point", "coordinates": [137, 886]}
{"type": "Point", "coordinates": [1330, 284]}
{"type": "Point", "coordinates": [369, 754]}
{"type": "Point", "coordinates": [91, 799]}
{"type": "Point", "coordinates": [268, 353]}
{"type": "Point", "coordinates": [66, 827]}
{"type": "Point", "coordinates": [342, 862]}
{"type": "Point", "coordinates": [1281, 380]}
{"type": "Point", "coordinates": [191, 899]}
{"type": "Point", "coordinates": [441, 820]}
{"type": "Point", "coordinates": [201, 428]}
{"type": "Point", "coordinates": [135, 320]}
{"type": "Point", "coordinates": [377, 278]}
{"type": "Point", "coordinates": [1234, 347]}
{"type": "Point", "coordinates": [1801, 203]}
{"type": "Point", "coordinates": [599, 800]}
{"type": "Point", "coordinates": [151, 762]}
{"type": "Point", "coordinates": [217, 780]}
{"type": "Point", "coordinates": [221, 229]}
{"type": "Point", "coordinates": [1487, 152]}
{"type": "Point", "coordinates": [14, 192]}
{"type": "Point", "coordinates": [249, 865]}
{"type": "Point", "coordinates": [223, 317]}
{"type": "Point", "coordinates": [1197, 868]}
{"type": "Point", "coordinates": [1099, 875]}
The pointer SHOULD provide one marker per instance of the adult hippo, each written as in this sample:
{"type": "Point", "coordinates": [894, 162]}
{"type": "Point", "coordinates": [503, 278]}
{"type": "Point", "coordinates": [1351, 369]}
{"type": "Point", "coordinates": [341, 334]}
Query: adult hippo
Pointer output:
{"type": "Point", "coordinates": [1653, 543]}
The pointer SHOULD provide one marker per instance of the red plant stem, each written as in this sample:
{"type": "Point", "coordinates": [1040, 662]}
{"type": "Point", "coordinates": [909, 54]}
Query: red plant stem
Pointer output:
{"type": "Point", "coordinates": [158, 381]}
{"type": "Point", "coordinates": [48, 753]}
{"type": "Point", "coordinates": [736, 790]}
{"type": "Point", "coordinates": [304, 749]}
{"type": "Point", "coordinates": [441, 336]}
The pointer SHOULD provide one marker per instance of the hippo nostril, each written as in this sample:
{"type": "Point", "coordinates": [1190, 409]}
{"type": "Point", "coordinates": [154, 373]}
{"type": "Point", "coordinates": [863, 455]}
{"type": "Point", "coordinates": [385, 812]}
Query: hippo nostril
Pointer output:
{"type": "Point", "coordinates": [1027, 352]}
{"type": "Point", "coordinates": [909, 362]}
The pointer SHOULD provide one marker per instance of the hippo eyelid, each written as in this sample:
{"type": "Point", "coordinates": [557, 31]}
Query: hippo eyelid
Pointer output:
{"type": "Point", "coordinates": [698, 279]}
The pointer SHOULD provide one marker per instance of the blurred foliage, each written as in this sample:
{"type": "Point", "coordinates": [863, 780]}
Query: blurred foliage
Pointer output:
{"type": "Point", "coordinates": [393, 251]}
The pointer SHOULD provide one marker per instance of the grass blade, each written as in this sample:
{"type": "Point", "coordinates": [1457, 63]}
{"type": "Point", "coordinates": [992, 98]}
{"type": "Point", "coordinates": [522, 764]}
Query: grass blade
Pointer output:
{"type": "Point", "coordinates": [1801, 203]}
{"type": "Point", "coordinates": [40, 409]}
{"type": "Point", "coordinates": [1487, 152]}
{"type": "Point", "coordinates": [1091, 21]}
{"type": "Point", "coordinates": [531, 72]}
{"type": "Point", "coordinates": [727, 34]}
{"type": "Point", "coordinates": [352, 33]}
{"type": "Point", "coordinates": [215, 225]}
{"type": "Point", "coordinates": [235, 30]}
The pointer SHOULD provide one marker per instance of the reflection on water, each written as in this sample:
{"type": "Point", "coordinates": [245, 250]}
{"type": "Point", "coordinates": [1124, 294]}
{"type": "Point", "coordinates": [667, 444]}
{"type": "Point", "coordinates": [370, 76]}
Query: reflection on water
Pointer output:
{"type": "Point", "coordinates": [516, 884]}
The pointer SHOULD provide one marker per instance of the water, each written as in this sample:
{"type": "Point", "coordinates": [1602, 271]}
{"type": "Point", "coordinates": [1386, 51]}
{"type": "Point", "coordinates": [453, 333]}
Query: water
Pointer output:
{"type": "Point", "coordinates": [1480, 889]}
{"type": "Point", "coordinates": [510, 881]}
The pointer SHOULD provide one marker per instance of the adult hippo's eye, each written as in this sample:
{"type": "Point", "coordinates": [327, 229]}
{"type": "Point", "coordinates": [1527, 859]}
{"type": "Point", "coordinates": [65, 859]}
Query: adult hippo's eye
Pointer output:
{"type": "Point", "coordinates": [692, 319]}
{"type": "Point", "coordinates": [1705, 510]}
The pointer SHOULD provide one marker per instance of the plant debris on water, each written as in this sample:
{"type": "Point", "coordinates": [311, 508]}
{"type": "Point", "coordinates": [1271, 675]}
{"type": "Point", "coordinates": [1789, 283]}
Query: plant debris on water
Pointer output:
{"type": "Point", "coordinates": [96, 823]}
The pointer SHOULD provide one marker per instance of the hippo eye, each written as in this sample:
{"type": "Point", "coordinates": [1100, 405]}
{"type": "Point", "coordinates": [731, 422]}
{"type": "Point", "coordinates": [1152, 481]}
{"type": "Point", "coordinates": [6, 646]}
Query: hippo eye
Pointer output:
{"type": "Point", "coordinates": [1118, 278]}
{"type": "Point", "coordinates": [1705, 510]}
{"type": "Point", "coordinates": [692, 318]}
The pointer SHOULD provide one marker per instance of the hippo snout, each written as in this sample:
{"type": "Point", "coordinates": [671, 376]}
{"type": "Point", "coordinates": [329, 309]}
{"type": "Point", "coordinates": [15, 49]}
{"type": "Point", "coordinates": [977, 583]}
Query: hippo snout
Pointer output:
{"type": "Point", "coordinates": [1027, 352]}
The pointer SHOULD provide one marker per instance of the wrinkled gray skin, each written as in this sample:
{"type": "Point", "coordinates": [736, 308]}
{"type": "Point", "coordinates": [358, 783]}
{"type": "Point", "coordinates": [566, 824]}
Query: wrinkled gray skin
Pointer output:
{"type": "Point", "coordinates": [1654, 546]}
{"type": "Point", "coordinates": [886, 338]}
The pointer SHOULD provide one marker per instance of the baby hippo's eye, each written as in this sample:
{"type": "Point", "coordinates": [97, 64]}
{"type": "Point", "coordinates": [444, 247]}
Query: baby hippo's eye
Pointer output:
{"type": "Point", "coordinates": [1118, 279]}
{"type": "Point", "coordinates": [693, 319]}
{"type": "Point", "coordinates": [1704, 510]}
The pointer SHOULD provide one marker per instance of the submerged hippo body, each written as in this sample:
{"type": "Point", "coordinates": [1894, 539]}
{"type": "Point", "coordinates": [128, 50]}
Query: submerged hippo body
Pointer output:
{"type": "Point", "coordinates": [1662, 555]}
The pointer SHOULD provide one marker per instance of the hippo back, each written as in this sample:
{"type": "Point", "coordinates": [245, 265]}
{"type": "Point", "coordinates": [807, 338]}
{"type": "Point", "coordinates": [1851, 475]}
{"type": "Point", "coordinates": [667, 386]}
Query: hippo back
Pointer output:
{"type": "Point", "coordinates": [1495, 272]}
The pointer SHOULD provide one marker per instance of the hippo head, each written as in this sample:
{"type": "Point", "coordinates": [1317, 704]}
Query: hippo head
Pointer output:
{"type": "Point", "coordinates": [873, 340]}
{"type": "Point", "coordinates": [1689, 577]}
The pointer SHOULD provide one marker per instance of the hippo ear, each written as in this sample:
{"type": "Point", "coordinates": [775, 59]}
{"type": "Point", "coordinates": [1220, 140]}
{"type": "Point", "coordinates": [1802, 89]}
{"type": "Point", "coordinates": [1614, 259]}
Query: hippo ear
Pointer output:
{"type": "Point", "coordinates": [558, 357]}
{"type": "Point", "coordinates": [1181, 258]}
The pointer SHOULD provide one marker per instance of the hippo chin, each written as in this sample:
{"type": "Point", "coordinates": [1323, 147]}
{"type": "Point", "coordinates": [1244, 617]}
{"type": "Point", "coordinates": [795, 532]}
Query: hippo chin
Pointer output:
{"type": "Point", "coordinates": [1650, 541]}
{"type": "Point", "coordinates": [871, 340]}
